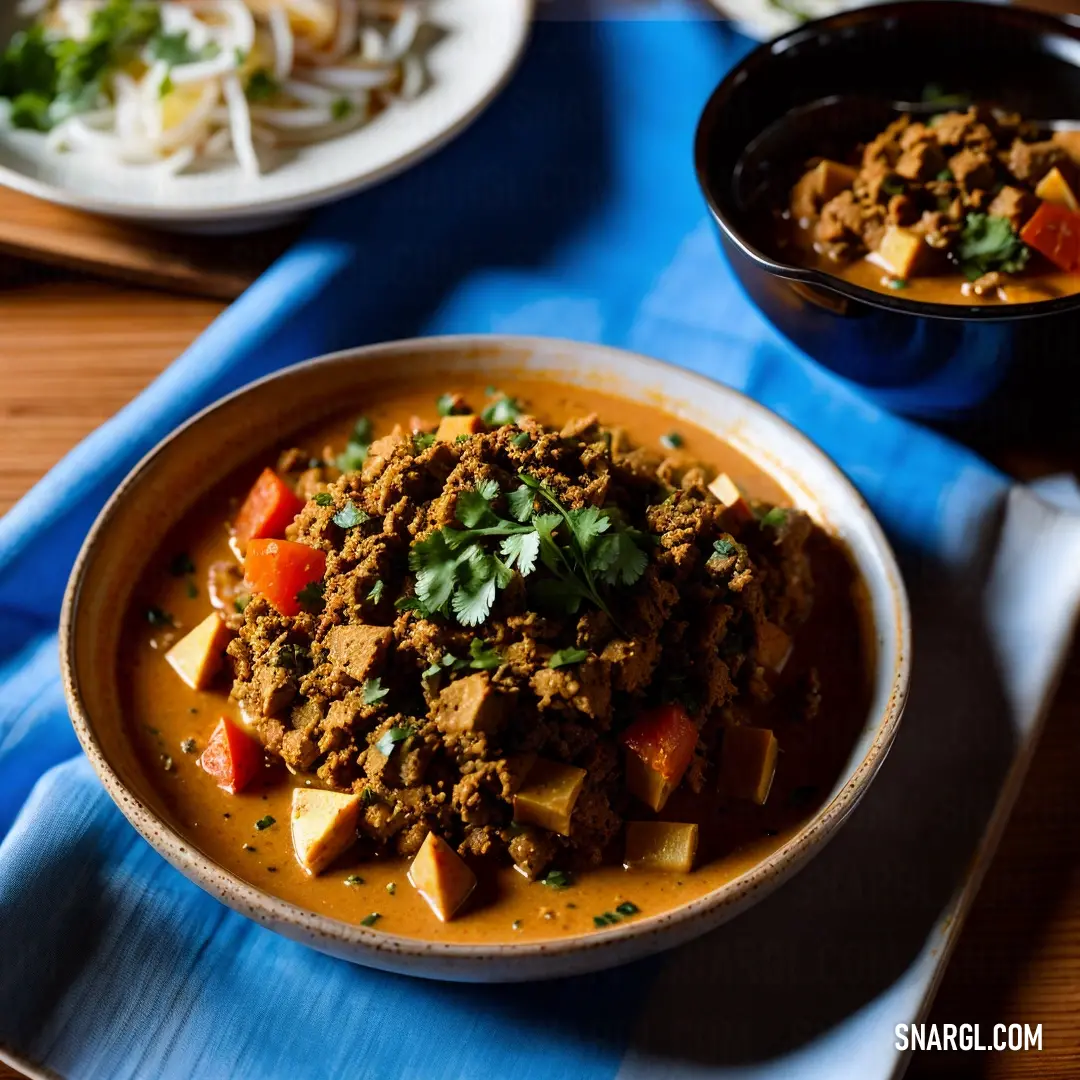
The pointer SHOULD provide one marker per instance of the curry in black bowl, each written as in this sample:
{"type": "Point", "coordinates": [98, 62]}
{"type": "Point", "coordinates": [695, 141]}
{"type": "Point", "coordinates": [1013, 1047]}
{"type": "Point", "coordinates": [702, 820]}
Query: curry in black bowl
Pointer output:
{"type": "Point", "coordinates": [892, 190]}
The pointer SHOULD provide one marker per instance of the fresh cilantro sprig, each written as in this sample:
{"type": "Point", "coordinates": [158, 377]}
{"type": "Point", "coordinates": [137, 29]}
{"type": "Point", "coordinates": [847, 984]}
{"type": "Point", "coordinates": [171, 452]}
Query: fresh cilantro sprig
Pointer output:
{"type": "Point", "coordinates": [389, 739]}
{"type": "Point", "coordinates": [457, 572]}
{"type": "Point", "coordinates": [988, 243]}
{"type": "Point", "coordinates": [356, 450]}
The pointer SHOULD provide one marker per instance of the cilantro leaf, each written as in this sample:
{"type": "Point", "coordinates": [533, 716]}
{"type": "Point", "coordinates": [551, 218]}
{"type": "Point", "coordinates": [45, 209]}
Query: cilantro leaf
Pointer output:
{"type": "Point", "coordinates": [175, 49]}
{"type": "Point", "coordinates": [265, 822]}
{"type": "Point", "coordinates": [341, 108]}
{"type": "Point", "coordinates": [521, 440]}
{"type": "Point", "coordinates": [431, 672]}
{"type": "Point", "coordinates": [261, 86]}
{"type": "Point", "coordinates": [989, 243]}
{"type": "Point", "coordinates": [504, 410]}
{"type": "Point", "coordinates": [483, 658]}
{"type": "Point", "coordinates": [155, 616]}
{"type": "Point", "coordinates": [521, 550]}
{"type": "Point", "coordinates": [521, 503]}
{"type": "Point", "coordinates": [473, 508]}
{"type": "Point", "coordinates": [558, 879]}
{"type": "Point", "coordinates": [349, 516]}
{"type": "Point", "coordinates": [450, 405]}
{"type": "Point", "coordinates": [324, 498]}
{"type": "Point", "coordinates": [435, 566]}
{"type": "Point", "coordinates": [374, 691]}
{"type": "Point", "coordinates": [376, 591]}
{"type": "Point", "coordinates": [724, 547]}
{"type": "Point", "coordinates": [356, 450]}
{"type": "Point", "coordinates": [565, 657]}
{"type": "Point", "coordinates": [671, 441]}
{"type": "Point", "coordinates": [311, 595]}
{"type": "Point", "coordinates": [775, 517]}
{"type": "Point", "coordinates": [181, 565]}
{"type": "Point", "coordinates": [389, 739]}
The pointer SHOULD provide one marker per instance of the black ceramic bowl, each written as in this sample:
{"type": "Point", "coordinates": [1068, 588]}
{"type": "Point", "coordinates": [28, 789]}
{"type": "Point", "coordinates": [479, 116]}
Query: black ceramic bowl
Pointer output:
{"type": "Point", "coordinates": [929, 360]}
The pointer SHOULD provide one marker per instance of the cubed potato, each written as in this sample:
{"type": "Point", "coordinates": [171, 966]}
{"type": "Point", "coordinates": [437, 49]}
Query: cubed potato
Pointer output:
{"type": "Point", "coordinates": [197, 657]}
{"type": "Point", "coordinates": [450, 427]}
{"type": "Point", "coordinates": [773, 647]}
{"type": "Point", "coordinates": [441, 877]}
{"type": "Point", "coordinates": [748, 763]}
{"type": "Point", "coordinates": [831, 177]}
{"type": "Point", "coordinates": [1054, 188]}
{"type": "Point", "coordinates": [358, 650]}
{"type": "Point", "coordinates": [650, 786]}
{"type": "Point", "coordinates": [323, 826]}
{"type": "Point", "coordinates": [548, 796]}
{"type": "Point", "coordinates": [900, 251]}
{"type": "Point", "coordinates": [661, 845]}
{"type": "Point", "coordinates": [470, 704]}
{"type": "Point", "coordinates": [728, 492]}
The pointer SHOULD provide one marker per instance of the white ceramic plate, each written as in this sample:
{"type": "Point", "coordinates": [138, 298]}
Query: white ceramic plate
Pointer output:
{"type": "Point", "coordinates": [194, 457]}
{"type": "Point", "coordinates": [480, 43]}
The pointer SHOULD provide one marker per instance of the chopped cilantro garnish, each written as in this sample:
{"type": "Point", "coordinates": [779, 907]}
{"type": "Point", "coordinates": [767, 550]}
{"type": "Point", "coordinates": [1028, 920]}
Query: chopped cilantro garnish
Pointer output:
{"type": "Point", "coordinates": [375, 595]}
{"type": "Point", "coordinates": [448, 405]}
{"type": "Point", "coordinates": [354, 879]}
{"type": "Point", "coordinates": [483, 658]}
{"type": "Point", "coordinates": [462, 438]}
{"type": "Point", "coordinates": [945, 175]}
{"type": "Point", "coordinates": [292, 657]}
{"type": "Point", "coordinates": [725, 548]}
{"type": "Point", "coordinates": [897, 283]}
{"type": "Point", "coordinates": [175, 49]}
{"type": "Point", "coordinates": [521, 440]}
{"type": "Point", "coordinates": [181, 565]}
{"type": "Point", "coordinates": [503, 410]}
{"type": "Point", "coordinates": [311, 595]}
{"type": "Point", "coordinates": [775, 517]}
{"type": "Point", "coordinates": [156, 617]}
{"type": "Point", "coordinates": [671, 441]}
{"type": "Point", "coordinates": [389, 739]}
{"type": "Point", "coordinates": [370, 920]}
{"type": "Point", "coordinates": [49, 77]}
{"type": "Point", "coordinates": [241, 602]}
{"type": "Point", "coordinates": [356, 450]}
{"type": "Point", "coordinates": [558, 879]}
{"type": "Point", "coordinates": [261, 86]}
{"type": "Point", "coordinates": [374, 691]}
{"type": "Point", "coordinates": [565, 657]}
{"type": "Point", "coordinates": [349, 516]}
{"type": "Point", "coordinates": [369, 796]}
{"type": "Point", "coordinates": [324, 498]}
{"type": "Point", "coordinates": [989, 243]}
{"type": "Point", "coordinates": [264, 822]}
{"type": "Point", "coordinates": [423, 440]}
{"type": "Point", "coordinates": [341, 108]}
{"type": "Point", "coordinates": [627, 908]}
{"type": "Point", "coordinates": [431, 672]}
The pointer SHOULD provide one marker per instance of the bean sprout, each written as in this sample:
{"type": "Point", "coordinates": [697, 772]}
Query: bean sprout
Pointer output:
{"type": "Point", "coordinates": [200, 81]}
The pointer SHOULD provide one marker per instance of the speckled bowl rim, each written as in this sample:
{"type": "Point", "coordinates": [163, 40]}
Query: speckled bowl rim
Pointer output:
{"type": "Point", "coordinates": [588, 951]}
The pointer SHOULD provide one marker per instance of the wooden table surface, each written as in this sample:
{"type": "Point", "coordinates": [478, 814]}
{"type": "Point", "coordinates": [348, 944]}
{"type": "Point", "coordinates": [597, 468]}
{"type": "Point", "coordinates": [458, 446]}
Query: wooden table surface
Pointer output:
{"type": "Point", "coordinates": [73, 351]}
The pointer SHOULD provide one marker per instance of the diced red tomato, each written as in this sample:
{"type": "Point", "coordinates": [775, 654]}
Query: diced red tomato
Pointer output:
{"type": "Point", "coordinates": [664, 738]}
{"type": "Point", "coordinates": [281, 569]}
{"type": "Point", "coordinates": [270, 506]}
{"type": "Point", "coordinates": [232, 756]}
{"type": "Point", "coordinates": [1054, 231]}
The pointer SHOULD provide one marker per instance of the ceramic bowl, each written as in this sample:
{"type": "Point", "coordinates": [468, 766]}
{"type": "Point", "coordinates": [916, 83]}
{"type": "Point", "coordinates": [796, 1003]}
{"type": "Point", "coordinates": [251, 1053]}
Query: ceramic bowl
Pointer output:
{"type": "Point", "coordinates": [163, 486]}
{"type": "Point", "coordinates": [937, 361]}
{"type": "Point", "coordinates": [479, 44]}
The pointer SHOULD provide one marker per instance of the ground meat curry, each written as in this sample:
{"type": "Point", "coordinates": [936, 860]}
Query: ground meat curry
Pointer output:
{"type": "Point", "coordinates": [963, 207]}
{"type": "Point", "coordinates": [486, 633]}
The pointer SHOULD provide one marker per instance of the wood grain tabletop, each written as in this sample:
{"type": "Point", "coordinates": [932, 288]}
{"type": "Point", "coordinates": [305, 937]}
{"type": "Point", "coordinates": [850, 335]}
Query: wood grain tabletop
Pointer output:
{"type": "Point", "coordinates": [74, 351]}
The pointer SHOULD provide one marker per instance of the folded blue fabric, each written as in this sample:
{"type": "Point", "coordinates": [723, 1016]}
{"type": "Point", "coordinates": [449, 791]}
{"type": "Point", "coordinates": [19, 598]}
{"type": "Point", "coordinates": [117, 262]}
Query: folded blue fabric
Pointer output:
{"type": "Point", "coordinates": [570, 209]}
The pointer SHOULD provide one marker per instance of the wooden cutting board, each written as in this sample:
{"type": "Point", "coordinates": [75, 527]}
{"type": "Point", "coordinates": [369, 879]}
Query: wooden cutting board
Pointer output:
{"type": "Point", "coordinates": [220, 267]}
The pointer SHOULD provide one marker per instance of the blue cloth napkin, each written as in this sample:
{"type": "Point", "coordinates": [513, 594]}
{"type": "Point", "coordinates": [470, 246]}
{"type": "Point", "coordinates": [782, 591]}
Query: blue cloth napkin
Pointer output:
{"type": "Point", "coordinates": [570, 208]}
